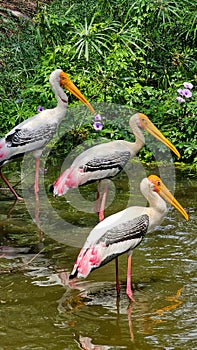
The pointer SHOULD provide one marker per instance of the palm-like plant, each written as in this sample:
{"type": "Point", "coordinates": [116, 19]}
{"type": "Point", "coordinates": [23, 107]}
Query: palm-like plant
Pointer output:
{"type": "Point", "coordinates": [92, 37]}
{"type": "Point", "coordinates": [191, 18]}
{"type": "Point", "coordinates": [101, 37]}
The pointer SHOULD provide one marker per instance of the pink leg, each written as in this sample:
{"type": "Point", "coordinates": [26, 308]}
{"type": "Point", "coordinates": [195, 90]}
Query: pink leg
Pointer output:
{"type": "Point", "coordinates": [37, 219]}
{"type": "Point", "coordinates": [36, 188]}
{"type": "Point", "coordinates": [102, 208]}
{"type": "Point", "coordinates": [117, 279]}
{"type": "Point", "coordinates": [97, 198]}
{"type": "Point", "coordinates": [129, 291]}
{"type": "Point", "coordinates": [10, 187]}
{"type": "Point", "coordinates": [37, 206]}
{"type": "Point", "coordinates": [101, 218]}
{"type": "Point", "coordinates": [129, 311]}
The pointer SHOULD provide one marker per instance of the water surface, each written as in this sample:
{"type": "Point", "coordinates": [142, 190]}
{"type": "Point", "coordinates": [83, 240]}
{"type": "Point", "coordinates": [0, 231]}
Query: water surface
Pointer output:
{"type": "Point", "coordinates": [41, 309]}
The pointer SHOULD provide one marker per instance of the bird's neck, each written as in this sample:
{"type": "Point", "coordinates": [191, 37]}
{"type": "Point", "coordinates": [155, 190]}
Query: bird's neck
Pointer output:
{"type": "Point", "coordinates": [61, 103]}
{"type": "Point", "coordinates": [61, 97]}
{"type": "Point", "coordinates": [156, 203]}
{"type": "Point", "coordinates": [157, 210]}
{"type": "Point", "coordinates": [139, 137]}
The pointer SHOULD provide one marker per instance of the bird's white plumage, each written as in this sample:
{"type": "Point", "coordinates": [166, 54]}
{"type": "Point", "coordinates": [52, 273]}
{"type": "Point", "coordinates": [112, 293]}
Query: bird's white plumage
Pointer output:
{"type": "Point", "coordinates": [33, 134]}
{"type": "Point", "coordinates": [108, 159]}
{"type": "Point", "coordinates": [44, 123]}
{"type": "Point", "coordinates": [101, 161]}
{"type": "Point", "coordinates": [95, 252]}
{"type": "Point", "coordinates": [155, 213]}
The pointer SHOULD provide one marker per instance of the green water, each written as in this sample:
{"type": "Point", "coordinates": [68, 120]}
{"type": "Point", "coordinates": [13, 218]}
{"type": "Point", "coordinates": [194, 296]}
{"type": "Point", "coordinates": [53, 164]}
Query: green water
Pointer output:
{"type": "Point", "coordinates": [41, 310]}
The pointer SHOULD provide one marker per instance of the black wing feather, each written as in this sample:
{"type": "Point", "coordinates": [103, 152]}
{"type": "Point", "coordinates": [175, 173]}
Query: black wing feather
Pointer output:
{"type": "Point", "coordinates": [135, 228]}
{"type": "Point", "coordinates": [114, 160]}
{"type": "Point", "coordinates": [21, 137]}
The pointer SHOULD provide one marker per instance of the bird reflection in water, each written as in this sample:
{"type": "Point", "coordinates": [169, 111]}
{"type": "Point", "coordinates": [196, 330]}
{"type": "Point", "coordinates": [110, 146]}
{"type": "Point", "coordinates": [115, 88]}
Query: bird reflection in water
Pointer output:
{"type": "Point", "coordinates": [68, 302]}
{"type": "Point", "coordinates": [72, 303]}
{"type": "Point", "coordinates": [37, 220]}
{"type": "Point", "coordinates": [11, 208]}
{"type": "Point", "coordinates": [176, 302]}
{"type": "Point", "coordinates": [148, 317]}
{"type": "Point", "coordinates": [85, 343]}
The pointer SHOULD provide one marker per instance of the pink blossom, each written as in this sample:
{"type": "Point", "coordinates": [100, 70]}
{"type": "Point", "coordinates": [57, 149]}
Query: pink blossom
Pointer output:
{"type": "Point", "coordinates": [97, 126]}
{"type": "Point", "coordinates": [180, 99]}
{"type": "Point", "coordinates": [40, 108]}
{"type": "Point", "coordinates": [97, 117]}
{"type": "Point", "coordinates": [180, 91]}
{"type": "Point", "coordinates": [187, 93]}
{"type": "Point", "coordinates": [188, 85]}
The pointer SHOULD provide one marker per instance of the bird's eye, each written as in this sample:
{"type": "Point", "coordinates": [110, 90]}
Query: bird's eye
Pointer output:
{"type": "Point", "coordinates": [158, 183]}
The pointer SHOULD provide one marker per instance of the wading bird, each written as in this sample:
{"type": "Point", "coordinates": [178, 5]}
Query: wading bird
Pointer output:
{"type": "Point", "coordinates": [33, 134]}
{"type": "Point", "coordinates": [108, 159]}
{"type": "Point", "coordinates": [124, 231]}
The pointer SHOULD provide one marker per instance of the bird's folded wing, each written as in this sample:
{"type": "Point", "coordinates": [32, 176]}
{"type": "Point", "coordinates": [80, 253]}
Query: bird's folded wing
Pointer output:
{"type": "Point", "coordinates": [126, 231]}
{"type": "Point", "coordinates": [21, 137]}
{"type": "Point", "coordinates": [111, 160]}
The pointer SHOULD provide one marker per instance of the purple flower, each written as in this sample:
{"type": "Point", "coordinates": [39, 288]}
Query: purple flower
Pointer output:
{"type": "Point", "coordinates": [180, 99]}
{"type": "Point", "coordinates": [97, 126]}
{"type": "Point", "coordinates": [187, 93]}
{"type": "Point", "coordinates": [180, 91]}
{"type": "Point", "coordinates": [188, 85]}
{"type": "Point", "coordinates": [97, 117]}
{"type": "Point", "coordinates": [40, 108]}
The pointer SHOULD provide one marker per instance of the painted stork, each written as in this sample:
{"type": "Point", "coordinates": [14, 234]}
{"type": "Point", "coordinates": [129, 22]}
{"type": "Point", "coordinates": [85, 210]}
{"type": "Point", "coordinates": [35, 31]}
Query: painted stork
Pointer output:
{"type": "Point", "coordinates": [33, 134]}
{"type": "Point", "coordinates": [108, 159]}
{"type": "Point", "coordinates": [124, 231]}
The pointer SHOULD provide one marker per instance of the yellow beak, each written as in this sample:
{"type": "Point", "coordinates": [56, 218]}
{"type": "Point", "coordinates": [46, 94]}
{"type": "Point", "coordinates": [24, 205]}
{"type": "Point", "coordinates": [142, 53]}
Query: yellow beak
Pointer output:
{"type": "Point", "coordinates": [67, 84]}
{"type": "Point", "coordinates": [165, 193]}
{"type": "Point", "coordinates": [151, 128]}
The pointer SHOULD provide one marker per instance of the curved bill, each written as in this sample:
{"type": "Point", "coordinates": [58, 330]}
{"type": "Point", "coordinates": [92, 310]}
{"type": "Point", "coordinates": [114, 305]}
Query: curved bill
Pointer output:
{"type": "Point", "coordinates": [165, 193]}
{"type": "Point", "coordinates": [151, 128]}
{"type": "Point", "coordinates": [68, 84]}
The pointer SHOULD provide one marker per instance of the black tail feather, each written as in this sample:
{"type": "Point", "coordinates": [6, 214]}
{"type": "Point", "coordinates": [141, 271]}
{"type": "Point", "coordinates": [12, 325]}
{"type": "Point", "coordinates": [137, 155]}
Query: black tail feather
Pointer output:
{"type": "Point", "coordinates": [73, 275]}
{"type": "Point", "coordinates": [51, 187]}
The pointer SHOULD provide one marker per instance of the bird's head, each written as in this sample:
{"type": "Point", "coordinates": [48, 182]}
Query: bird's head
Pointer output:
{"type": "Point", "coordinates": [66, 83]}
{"type": "Point", "coordinates": [145, 124]}
{"type": "Point", "coordinates": [157, 185]}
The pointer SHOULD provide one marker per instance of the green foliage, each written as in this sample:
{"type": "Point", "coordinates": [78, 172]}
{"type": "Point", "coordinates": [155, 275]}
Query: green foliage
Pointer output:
{"type": "Point", "coordinates": [134, 53]}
